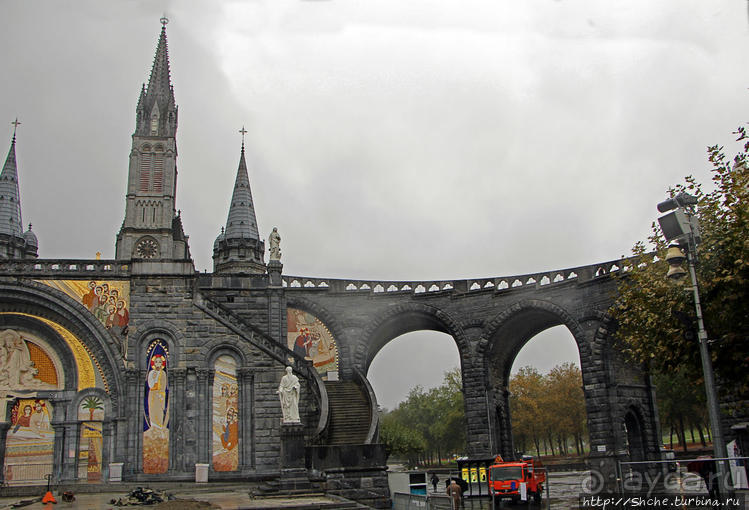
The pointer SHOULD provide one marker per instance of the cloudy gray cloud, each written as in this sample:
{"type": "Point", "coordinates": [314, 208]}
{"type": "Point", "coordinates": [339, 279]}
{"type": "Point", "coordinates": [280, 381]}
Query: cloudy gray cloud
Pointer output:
{"type": "Point", "coordinates": [434, 141]}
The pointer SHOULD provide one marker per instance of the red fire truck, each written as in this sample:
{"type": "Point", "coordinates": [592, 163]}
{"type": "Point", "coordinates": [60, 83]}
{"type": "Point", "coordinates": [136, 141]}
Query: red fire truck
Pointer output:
{"type": "Point", "coordinates": [505, 478]}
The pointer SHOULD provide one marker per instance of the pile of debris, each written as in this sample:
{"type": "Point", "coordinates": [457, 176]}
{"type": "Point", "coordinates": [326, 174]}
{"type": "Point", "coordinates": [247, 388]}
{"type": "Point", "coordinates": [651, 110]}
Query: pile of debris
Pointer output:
{"type": "Point", "coordinates": [141, 496]}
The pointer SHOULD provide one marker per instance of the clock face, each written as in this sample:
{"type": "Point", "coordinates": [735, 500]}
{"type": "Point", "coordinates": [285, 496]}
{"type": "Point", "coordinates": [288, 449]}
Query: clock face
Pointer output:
{"type": "Point", "coordinates": [147, 249]}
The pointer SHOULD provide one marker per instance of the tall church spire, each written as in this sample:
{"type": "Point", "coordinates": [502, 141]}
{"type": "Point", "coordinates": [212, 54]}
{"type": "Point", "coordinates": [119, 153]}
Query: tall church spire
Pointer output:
{"type": "Point", "coordinates": [238, 249]}
{"type": "Point", "coordinates": [157, 109]}
{"type": "Point", "coordinates": [14, 243]}
{"type": "Point", "coordinates": [152, 229]}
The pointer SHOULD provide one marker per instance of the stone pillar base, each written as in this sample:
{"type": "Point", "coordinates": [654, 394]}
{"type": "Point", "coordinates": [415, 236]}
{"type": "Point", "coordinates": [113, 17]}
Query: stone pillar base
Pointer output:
{"type": "Point", "coordinates": [292, 447]}
{"type": "Point", "coordinates": [274, 271]}
{"type": "Point", "coordinates": [294, 477]}
{"type": "Point", "coordinates": [115, 471]}
{"type": "Point", "coordinates": [294, 480]}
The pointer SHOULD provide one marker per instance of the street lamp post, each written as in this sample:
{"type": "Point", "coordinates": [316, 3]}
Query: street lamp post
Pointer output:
{"type": "Point", "coordinates": [681, 226]}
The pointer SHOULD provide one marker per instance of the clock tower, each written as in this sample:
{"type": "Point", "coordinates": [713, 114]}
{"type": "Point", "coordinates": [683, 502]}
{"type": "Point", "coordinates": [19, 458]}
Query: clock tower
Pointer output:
{"type": "Point", "coordinates": [152, 229]}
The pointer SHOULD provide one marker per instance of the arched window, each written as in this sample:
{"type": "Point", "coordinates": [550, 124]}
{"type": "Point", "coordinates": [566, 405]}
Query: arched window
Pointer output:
{"type": "Point", "coordinates": [152, 170]}
{"type": "Point", "coordinates": [156, 409]}
{"type": "Point", "coordinates": [90, 447]}
{"type": "Point", "coordinates": [225, 415]}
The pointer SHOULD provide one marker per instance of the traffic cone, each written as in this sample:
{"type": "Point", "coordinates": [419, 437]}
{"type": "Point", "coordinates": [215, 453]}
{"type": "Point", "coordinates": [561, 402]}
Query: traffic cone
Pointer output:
{"type": "Point", "coordinates": [49, 498]}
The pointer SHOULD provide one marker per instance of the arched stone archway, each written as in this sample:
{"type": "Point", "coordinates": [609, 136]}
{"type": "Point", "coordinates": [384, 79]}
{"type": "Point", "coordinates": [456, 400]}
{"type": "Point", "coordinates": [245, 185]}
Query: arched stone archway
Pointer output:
{"type": "Point", "coordinates": [502, 340]}
{"type": "Point", "coordinates": [402, 319]}
{"type": "Point", "coordinates": [82, 352]}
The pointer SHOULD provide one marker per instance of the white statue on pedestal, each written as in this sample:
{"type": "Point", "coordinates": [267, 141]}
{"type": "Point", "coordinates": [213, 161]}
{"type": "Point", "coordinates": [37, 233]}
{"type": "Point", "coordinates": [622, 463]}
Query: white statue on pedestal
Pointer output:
{"type": "Point", "coordinates": [275, 244]}
{"type": "Point", "coordinates": [288, 391]}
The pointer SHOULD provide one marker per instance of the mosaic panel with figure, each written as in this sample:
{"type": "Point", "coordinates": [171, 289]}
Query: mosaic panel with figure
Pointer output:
{"type": "Point", "coordinates": [91, 414]}
{"type": "Point", "coordinates": [310, 338]}
{"type": "Point", "coordinates": [29, 446]}
{"type": "Point", "coordinates": [225, 437]}
{"type": "Point", "coordinates": [107, 300]}
{"type": "Point", "coordinates": [156, 409]}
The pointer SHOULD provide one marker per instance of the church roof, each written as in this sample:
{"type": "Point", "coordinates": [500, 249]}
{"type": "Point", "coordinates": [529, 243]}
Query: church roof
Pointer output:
{"type": "Point", "coordinates": [10, 203]}
{"type": "Point", "coordinates": [241, 222]}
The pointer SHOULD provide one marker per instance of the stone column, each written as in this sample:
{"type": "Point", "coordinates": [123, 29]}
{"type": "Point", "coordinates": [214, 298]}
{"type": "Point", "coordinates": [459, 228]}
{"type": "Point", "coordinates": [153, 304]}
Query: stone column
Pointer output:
{"type": "Point", "coordinates": [106, 441]}
{"type": "Point", "coordinates": [205, 380]}
{"type": "Point", "coordinates": [4, 427]}
{"type": "Point", "coordinates": [276, 303]}
{"type": "Point", "coordinates": [476, 399]}
{"type": "Point", "coordinates": [177, 455]}
{"type": "Point", "coordinates": [133, 457]}
{"type": "Point", "coordinates": [246, 383]}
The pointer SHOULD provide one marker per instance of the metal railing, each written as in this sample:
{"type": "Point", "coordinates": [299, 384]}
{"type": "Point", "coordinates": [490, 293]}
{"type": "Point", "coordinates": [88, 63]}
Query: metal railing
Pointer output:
{"type": "Point", "coordinates": [27, 474]}
{"type": "Point", "coordinates": [672, 476]}
{"type": "Point", "coordinates": [403, 501]}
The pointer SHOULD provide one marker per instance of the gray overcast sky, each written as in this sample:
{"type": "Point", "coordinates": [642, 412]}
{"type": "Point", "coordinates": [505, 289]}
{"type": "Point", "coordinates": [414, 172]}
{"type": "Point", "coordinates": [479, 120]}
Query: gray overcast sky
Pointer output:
{"type": "Point", "coordinates": [386, 139]}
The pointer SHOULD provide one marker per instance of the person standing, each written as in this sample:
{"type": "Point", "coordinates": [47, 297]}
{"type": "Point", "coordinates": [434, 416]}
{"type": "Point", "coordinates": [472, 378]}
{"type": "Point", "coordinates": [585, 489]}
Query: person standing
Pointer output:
{"type": "Point", "coordinates": [435, 480]}
{"type": "Point", "coordinates": [456, 495]}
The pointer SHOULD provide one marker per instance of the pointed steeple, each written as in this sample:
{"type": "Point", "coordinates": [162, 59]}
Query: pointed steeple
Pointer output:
{"type": "Point", "coordinates": [238, 249]}
{"type": "Point", "coordinates": [160, 81]}
{"type": "Point", "coordinates": [10, 203]}
{"type": "Point", "coordinates": [14, 242]}
{"type": "Point", "coordinates": [157, 109]}
{"type": "Point", "coordinates": [241, 221]}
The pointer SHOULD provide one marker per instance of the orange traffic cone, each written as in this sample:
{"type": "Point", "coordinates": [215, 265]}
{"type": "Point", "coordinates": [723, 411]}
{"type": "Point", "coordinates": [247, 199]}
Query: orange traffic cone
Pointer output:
{"type": "Point", "coordinates": [49, 498]}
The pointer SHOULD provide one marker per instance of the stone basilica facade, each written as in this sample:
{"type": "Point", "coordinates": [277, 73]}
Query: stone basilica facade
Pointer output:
{"type": "Point", "coordinates": [140, 368]}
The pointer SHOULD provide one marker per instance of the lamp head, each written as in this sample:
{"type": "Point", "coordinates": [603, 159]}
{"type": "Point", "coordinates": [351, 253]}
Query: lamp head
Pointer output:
{"type": "Point", "coordinates": [675, 258]}
{"type": "Point", "coordinates": [683, 199]}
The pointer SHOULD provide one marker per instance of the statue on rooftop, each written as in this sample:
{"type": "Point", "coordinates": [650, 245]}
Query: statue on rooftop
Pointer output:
{"type": "Point", "coordinates": [275, 244]}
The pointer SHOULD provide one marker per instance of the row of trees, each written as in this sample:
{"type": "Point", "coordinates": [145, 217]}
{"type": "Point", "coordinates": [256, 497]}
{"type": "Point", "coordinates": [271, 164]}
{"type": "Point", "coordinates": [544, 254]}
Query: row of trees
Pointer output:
{"type": "Point", "coordinates": [429, 425]}
{"type": "Point", "coordinates": [548, 411]}
{"type": "Point", "coordinates": [681, 407]}
{"type": "Point", "coordinates": [548, 416]}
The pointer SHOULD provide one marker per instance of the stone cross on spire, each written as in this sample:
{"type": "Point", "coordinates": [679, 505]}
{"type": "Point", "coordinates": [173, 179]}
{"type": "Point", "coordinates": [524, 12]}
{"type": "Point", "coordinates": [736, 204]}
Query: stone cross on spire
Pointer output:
{"type": "Point", "coordinates": [244, 132]}
{"type": "Point", "coordinates": [15, 125]}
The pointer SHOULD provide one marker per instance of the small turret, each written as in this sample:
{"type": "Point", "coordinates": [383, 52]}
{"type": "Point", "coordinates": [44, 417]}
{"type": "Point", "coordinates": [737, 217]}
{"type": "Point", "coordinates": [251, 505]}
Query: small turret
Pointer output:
{"type": "Point", "coordinates": [14, 243]}
{"type": "Point", "coordinates": [238, 249]}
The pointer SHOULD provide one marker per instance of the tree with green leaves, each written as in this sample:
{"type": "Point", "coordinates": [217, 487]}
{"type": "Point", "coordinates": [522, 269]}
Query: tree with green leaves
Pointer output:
{"type": "Point", "coordinates": [655, 316]}
{"type": "Point", "coordinates": [527, 400]}
{"type": "Point", "coordinates": [429, 424]}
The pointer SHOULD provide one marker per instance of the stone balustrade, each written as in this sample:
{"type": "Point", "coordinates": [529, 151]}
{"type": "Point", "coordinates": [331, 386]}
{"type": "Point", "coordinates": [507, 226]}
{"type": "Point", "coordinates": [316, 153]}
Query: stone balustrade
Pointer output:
{"type": "Point", "coordinates": [499, 283]}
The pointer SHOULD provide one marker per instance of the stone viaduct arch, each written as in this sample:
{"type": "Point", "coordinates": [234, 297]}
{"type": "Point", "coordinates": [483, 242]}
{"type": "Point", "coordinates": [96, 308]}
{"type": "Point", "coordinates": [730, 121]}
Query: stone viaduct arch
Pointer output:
{"type": "Point", "coordinates": [490, 320]}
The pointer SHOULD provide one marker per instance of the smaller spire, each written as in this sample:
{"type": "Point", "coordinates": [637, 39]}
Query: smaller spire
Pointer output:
{"type": "Point", "coordinates": [10, 203]}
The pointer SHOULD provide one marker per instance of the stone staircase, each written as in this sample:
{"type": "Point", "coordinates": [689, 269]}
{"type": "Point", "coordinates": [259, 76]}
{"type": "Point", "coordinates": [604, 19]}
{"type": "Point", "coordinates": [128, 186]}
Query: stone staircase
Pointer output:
{"type": "Point", "coordinates": [350, 414]}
